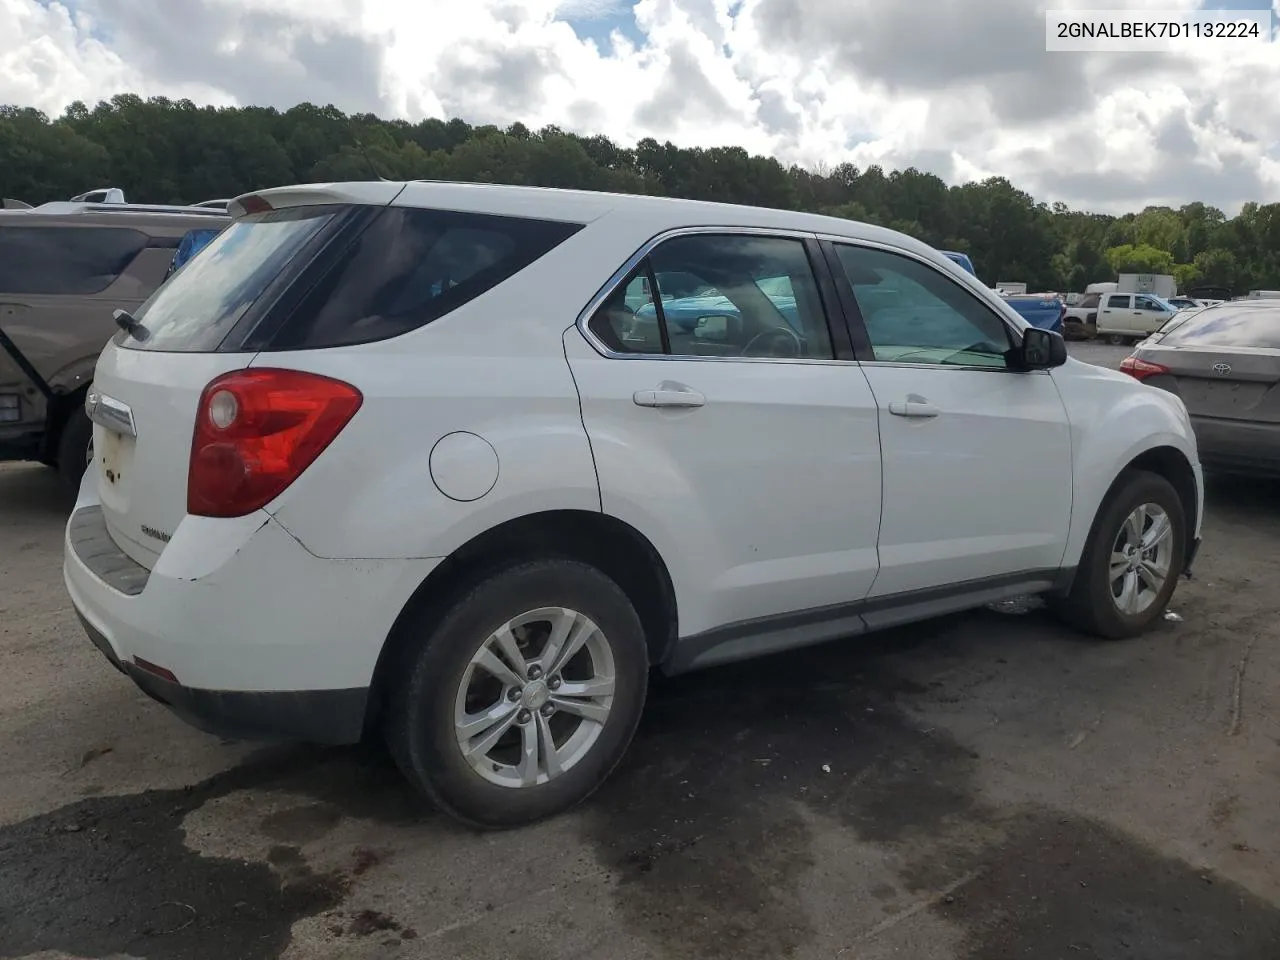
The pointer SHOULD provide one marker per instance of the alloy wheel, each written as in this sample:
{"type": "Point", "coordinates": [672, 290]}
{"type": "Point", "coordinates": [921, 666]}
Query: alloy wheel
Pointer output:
{"type": "Point", "coordinates": [534, 697]}
{"type": "Point", "coordinates": [1141, 558]}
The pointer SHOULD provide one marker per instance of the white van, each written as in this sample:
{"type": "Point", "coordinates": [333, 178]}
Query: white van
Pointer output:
{"type": "Point", "coordinates": [1130, 317]}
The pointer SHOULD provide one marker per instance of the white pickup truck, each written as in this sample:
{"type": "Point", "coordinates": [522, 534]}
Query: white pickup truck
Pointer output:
{"type": "Point", "coordinates": [1126, 318]}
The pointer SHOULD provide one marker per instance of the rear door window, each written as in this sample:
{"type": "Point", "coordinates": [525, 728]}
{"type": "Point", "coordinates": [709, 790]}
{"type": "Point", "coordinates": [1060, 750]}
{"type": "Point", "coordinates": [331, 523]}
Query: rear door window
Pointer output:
{"type": "Point", "coordinates": [68, 261]}
{"type": "Point", "coordinates": [719, 295]}
{"type": "Point", "coordinates": [411, 266]}
{"type": "Point", "coordinates": [1120, 302]}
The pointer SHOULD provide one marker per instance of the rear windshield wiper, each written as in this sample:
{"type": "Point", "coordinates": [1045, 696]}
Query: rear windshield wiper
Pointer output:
{"type": "Point", "coordinates": [130, 325]}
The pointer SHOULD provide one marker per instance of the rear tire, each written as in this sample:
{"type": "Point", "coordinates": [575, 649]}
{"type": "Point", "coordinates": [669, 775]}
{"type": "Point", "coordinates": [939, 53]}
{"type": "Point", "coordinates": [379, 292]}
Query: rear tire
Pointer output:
{"type": "Point", "coordinates": [1132, 560]}
{"type": "Point", "coordinates": [517, 778]}
{"type": "Point", "coordinates": [74, 447]}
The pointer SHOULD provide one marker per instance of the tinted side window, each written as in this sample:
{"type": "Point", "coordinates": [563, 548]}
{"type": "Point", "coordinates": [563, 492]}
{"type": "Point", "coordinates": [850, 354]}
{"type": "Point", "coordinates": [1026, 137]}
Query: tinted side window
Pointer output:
{"type": "Point", "coordinates": [73, 261]}
{"type": "Point", "coordinates": [1118, 302]}
{"type": "Point", "coordinates": [914, 314]}
{"type": "Point", "coordinates": [1146, 303]}
{"type": "Point", "coordinates": [411, 266]}
{"type": "Point", "coordinates": [719, 295]}
{"type": "Point", "coordinates": [755, 297]}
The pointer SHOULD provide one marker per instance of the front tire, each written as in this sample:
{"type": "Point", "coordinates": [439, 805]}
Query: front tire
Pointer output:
{"type": "Point", "coordinates": [520, 700]}
{"type": "Point", "coordinates": [1131, 563]}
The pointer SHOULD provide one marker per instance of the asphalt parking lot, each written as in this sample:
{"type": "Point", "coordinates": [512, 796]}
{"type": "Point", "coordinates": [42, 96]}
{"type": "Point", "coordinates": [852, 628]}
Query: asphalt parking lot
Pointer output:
{"type": "Point", "coordinates": [987, 786]}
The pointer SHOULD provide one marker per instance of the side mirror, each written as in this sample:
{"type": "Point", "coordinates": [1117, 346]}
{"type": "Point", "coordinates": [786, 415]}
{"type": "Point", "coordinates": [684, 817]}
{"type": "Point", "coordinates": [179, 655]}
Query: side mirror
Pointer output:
{"type": "Point", "coordinates": [1041, 349]}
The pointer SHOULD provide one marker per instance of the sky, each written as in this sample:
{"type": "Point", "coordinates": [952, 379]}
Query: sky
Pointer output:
{"type": "Point", "coordinates": [960, 88]}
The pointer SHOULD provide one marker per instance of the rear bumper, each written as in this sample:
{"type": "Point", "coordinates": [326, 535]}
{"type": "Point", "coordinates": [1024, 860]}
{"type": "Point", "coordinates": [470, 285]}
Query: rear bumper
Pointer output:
{"type": "Point", "coordinates": [256, 638]}
{"type": "Point", "coordinates": [1238, 445]}
{"type": "Point", "coordinates": [311, 716]}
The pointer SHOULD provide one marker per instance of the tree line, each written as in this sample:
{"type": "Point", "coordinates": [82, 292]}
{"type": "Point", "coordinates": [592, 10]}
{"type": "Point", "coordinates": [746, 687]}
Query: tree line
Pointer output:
{"type": "Point", "coordinates": [165, 151]}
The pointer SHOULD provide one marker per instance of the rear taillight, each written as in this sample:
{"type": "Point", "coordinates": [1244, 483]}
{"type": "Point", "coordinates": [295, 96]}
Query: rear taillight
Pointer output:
{"type": "Point", "coordinates": [256, 431]}
{"type": "Point", "coordinates": [1141, 369]}
{"type": "Point", "coordinates": [252, 203]}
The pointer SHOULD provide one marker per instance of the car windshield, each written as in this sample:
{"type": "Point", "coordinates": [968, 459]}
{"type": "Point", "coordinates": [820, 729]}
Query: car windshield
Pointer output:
{"type": "Point", "coordinates": [202, 301]}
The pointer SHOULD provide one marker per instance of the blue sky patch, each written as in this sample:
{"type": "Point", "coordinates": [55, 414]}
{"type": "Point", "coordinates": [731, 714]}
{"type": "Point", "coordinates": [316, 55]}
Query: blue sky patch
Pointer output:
{"type": "Point", "coordinates": [597, 20]}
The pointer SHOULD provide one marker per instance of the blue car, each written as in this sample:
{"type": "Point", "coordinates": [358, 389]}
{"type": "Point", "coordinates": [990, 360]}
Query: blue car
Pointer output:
{"type": "Point", "coordinates": [192, 243]}
{"type": "Point", "coordinates": [1038, 309]}
{"type": "Point", "coordinates": [684, 311]}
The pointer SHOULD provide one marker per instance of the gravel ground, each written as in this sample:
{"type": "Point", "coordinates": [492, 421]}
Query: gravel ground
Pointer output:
{"type": "Point", "coordinates": [985, 786]}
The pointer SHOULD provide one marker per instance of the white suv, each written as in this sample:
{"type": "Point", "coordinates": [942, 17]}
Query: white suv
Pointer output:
{"type": "Point", "coordinates": [457, 464]}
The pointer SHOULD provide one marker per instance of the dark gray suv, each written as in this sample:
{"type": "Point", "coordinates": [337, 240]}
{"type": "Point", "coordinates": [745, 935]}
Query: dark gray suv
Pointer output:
{"type": "Point", "coordinates": [65, 268]}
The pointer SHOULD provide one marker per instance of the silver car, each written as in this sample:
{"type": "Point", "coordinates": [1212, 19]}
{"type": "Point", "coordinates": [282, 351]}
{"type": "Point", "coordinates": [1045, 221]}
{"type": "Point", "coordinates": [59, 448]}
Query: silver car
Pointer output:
{"type": "Point", "coordinates": [1224, 362]}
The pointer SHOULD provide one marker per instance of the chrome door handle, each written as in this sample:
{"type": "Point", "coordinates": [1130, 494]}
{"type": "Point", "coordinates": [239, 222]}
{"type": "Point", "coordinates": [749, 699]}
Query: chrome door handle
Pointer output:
{"type": "Point", "coordinates": [913, 408]}
{"type": "Point", "coordinates": [669, 395]}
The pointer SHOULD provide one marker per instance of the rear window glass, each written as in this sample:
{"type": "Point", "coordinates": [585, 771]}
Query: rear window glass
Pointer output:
{"type": "Point", "coordinates": [70, 261]}
{"type": "Point", "coordinates": [411, 266]}
{"type": "Point", "coordinates": [1229, 326]}
{"type": "Point", "coordinates": [194, 310]}
{"type": "Point", "coordinates": [192, 243]}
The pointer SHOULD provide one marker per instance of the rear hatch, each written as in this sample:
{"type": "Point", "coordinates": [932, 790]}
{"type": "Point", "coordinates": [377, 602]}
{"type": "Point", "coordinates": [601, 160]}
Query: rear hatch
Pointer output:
{"type": "Point", "coordinates": [195, 327]}
{"type": "Point", "coordinates": [1223, 361]}
{"type": "Point", "coordinates": [1242, 384]}
{"type": "Point", "coordinates": [144, 408]}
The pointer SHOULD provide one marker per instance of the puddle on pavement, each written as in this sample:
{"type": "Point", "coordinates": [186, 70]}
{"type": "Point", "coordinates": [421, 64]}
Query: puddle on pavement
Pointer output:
{"type": "Point", "coordinates": [112, 875]}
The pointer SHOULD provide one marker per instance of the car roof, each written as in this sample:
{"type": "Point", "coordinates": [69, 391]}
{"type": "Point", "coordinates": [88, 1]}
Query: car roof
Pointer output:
{"type": "Point", "coordinates": [581, 206]}
{"type": "Point", "coordinates": [62, 207]}
{"type": "Point", "coordinates": [136, 215]}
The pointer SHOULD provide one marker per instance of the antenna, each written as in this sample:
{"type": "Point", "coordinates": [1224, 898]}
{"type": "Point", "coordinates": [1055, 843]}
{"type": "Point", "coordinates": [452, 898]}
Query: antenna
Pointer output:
{"type": "Point", "coordinates": [369, 161]}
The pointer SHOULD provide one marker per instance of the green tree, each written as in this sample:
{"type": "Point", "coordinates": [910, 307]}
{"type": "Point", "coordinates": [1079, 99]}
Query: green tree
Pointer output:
{"type": "Point", "coordinates": [164, 150]}
{"type": "Point", "coordinates": [1142, 258]}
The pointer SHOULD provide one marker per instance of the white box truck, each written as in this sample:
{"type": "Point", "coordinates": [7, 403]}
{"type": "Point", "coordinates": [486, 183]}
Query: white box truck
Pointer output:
{"type": "Point", "coordinates": [1160, 284]}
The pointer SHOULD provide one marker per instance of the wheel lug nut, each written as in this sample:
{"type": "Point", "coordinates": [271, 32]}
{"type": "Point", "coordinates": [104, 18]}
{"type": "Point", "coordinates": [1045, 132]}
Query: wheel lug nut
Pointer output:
{"type": "Point", "coordinates": [547, 709]}
{"type": "Point", "coordinates": [554, 683]}
{"type": "Point", "coordinates": [535, 672]}
{"type": "Point", "coordinates": [513, 694]}
{"type": "Point", "coordinates": [524, 716]}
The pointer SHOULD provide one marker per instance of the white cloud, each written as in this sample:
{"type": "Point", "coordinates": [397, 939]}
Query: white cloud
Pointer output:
{"type": "Point", "coordinates": [962, 89]}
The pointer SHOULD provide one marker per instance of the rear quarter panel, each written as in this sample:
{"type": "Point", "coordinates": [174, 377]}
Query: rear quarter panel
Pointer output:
{"type": "Point", "coordinates": [495, 368]}
{"type": "Point", "coordinates": [1114, 419]}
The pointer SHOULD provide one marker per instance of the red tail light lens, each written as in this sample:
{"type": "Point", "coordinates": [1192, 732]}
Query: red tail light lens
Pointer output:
{"type": "Point", "coordinates": [252, 203]}
{"type": "Point", "coordinates": [256, 431]}
{"type": "Point", "coordinates": [1141, 369]}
